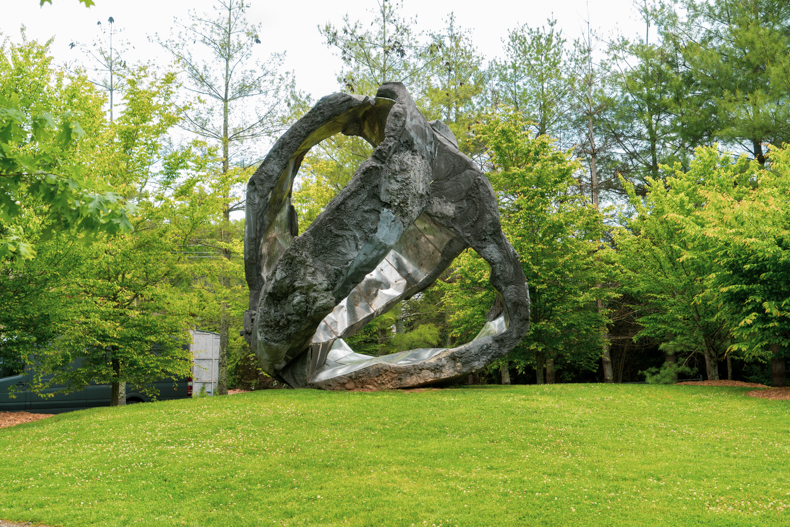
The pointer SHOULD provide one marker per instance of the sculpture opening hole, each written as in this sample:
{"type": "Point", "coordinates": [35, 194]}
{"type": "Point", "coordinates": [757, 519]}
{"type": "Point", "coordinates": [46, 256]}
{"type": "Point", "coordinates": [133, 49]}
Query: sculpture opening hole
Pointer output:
{"type": "Point", "coordinates": [325, 171]}
{"type": "Point", "coordinates": [430, 318]}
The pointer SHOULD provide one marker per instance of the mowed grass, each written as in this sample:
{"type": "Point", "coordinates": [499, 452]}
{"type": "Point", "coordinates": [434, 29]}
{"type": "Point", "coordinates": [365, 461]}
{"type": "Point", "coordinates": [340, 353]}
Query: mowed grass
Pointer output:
{"type": "Point", "coordinates": [488, 456]}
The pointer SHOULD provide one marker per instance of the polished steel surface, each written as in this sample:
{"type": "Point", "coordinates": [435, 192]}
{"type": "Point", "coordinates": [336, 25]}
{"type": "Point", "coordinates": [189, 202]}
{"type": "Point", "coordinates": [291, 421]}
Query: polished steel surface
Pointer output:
{"type": "Point", "coordinates": [395, 278]}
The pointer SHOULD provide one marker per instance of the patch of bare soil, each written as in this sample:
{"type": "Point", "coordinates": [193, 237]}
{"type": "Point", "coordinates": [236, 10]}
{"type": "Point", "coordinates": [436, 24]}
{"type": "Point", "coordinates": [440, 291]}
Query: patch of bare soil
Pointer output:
{"type": "Point", "coordinates": [723, 383]}
{"type": "Point", "coordinates": [17, 418]}
{"type": "Point", "coordinates": [771, 393]}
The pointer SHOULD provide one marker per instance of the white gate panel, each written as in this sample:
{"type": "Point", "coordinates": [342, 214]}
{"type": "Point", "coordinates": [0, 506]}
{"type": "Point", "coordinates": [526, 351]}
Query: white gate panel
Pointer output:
{"type": "Point", "coordinates": [205, 348]}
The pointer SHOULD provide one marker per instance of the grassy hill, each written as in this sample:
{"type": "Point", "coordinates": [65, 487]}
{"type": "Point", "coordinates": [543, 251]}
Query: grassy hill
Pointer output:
{"type": "Point", "coordinates": [484, 456]}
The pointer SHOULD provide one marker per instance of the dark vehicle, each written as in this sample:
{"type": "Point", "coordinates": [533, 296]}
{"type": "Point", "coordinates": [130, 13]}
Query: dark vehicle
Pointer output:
{"type": "Point", "coordinates": [90, 397]}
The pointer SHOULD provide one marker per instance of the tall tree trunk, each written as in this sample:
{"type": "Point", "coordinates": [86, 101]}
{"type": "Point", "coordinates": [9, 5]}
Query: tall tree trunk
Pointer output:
{"type": "Point", "coordinates": [671, 358]}
{"type": "Point", "coordinates": [758, 152]}
{"type": "Point", "coordinates": [621, 364]}
{"type": "Point", "coordinates": [606, 357]}
{"type": "Point", "coordinates": [540, 360]}
{"type": "Point", "coordinates": [729, 367]}
{"type": "Point", "coordinates": [778, 378]}
{"type": "Point", "coordinates": [550, 377]}
{"type": "Point", "coordinates": [505, 373]}
{"type": "Point", "coordinates": [117, 388]}
{"type": "Point", "coordinates": [224, 324]}
{"type": "Point", "coordinates": [711, 368]}
{"type": "Point", "coordinates": [222, 363]}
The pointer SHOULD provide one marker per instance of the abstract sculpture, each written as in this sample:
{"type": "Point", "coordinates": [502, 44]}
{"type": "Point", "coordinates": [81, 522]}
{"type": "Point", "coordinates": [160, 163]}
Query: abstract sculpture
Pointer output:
{"type": "Point", "coordinates": [408, 211]}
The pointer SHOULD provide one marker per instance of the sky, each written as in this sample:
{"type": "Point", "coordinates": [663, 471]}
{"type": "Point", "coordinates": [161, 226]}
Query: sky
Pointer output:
{"type": "Point", "coordinates": [292, 26]}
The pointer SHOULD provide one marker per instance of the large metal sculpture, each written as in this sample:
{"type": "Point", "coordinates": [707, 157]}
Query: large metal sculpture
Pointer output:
{"type": "Point", "coordinates": [406, 214]}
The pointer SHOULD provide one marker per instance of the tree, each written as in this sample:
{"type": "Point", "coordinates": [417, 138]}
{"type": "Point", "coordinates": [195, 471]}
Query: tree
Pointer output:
{"type": "Point", "coordinates": [747, 236]}
{"type": "Point", "coordinates": [736, 52]}
{"type": "Point", "coordinates": [557, 236]}
{"type": "Point", "coordinates": [666, 267]}
{"type": "Point", "coordinates": [534, 79]}
{"type": "Point", "coordinates": [43, 188]}
{"type": "Point", "coordinates": [109, 62]}
{"type": "Point", "coordinates": [230, 86]}
{"type": "Point", "coordinates": [648, 98]}
{"type": "Point", "coordinates": [109, 306]}
{"type": "Point", "coordinates": [456, 84]}
{"type": "Point", "coordinates": [389, 52]}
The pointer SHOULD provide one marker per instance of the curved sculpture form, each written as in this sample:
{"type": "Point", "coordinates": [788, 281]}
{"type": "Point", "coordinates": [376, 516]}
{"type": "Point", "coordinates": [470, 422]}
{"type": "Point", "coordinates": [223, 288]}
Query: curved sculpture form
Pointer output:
{"type": "Point", "coordinates": [408, 211]}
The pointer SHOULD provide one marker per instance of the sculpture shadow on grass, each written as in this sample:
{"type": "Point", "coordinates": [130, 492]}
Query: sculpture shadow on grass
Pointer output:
{"type": "Point", "coordinates": [408, 211]}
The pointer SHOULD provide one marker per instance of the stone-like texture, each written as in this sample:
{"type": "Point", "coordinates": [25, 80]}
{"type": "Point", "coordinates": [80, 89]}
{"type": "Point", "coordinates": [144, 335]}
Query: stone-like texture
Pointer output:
{"type": "Point", "coordinates": [406, 214]}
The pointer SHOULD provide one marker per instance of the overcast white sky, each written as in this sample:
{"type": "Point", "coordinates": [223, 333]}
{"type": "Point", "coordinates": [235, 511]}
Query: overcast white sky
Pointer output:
{"type": "Point", "coordinates": [291, 26]}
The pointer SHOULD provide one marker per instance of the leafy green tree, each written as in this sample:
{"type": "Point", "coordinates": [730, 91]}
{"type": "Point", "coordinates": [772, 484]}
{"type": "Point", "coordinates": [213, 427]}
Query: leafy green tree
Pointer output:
{"type": "Point", "coordinates": [747, 236]}
{"type": "Point", "coordinates": [557, 235]}
{"type": "Point", "coordinates": [239, 101]}
{"type": "Point", "coordinates": [43, 185]}
{"type": "Point", "coordinates": [666, 264]}
{"type": "Point", "coordinates": [127, 316]}
{"type": "Point", "coordinates": [110, 305]}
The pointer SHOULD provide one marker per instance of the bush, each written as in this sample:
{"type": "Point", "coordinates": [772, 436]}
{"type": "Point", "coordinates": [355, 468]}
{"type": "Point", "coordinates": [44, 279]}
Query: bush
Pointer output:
{"type": "Point", "coordinates": [668, 374]}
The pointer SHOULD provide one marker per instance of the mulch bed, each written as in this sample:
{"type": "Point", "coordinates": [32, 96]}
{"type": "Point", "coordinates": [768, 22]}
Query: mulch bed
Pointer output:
{"type": "Point", "coordinates": [766, 393]}
{"type": "Point", "coordinates": [17, 418]}
{"type": "Point", "coordinates": [771, 393]}
{"type": "Point", "coordinates": [723, 383]}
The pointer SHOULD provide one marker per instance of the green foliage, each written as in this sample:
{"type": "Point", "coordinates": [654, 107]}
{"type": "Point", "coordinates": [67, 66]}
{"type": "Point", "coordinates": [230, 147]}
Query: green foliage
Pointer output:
{"type": "Point", "coordinates": [558, 237]}
{"type": "Point", "coordinates": [662, 266]}
{"type": "Point", "coordinates": [594, 455]}
{"type": "Point", "coordinates": [44, 187]}
{"type": "Point", "coordinates": [534, 77]}
{"type": "Point", "coordinates": [113, 307]}
{"type": "Point", "coordinates": [747, 237]}
{"type": "Point", "coordinates": [707, 254]}
{"type": "Point", "coordinates": [456, 82]}
{"type": "Point", "coordinates": [736, 53]}
{"type": "Point", "coordinates": [668, 374]}
{"type": "Point", "coordinates": [648, 99]}
{"type": "Point", "coordinates": [325, 171]}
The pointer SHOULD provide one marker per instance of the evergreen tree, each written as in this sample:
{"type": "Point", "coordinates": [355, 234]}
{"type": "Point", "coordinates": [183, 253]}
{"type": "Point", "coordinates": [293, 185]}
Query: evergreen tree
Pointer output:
{"type": "Point", "coordinates": [738, 59]}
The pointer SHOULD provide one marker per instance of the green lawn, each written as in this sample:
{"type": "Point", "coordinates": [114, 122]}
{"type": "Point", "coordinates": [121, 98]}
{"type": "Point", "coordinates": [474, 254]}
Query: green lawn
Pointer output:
{"type": "Point", "coordinates": [521, 455]}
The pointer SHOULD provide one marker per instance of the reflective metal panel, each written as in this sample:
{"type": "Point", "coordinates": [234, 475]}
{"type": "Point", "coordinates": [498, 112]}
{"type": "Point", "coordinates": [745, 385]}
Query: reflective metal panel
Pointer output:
{"type": "Point", "coordinates": [495, 327]}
